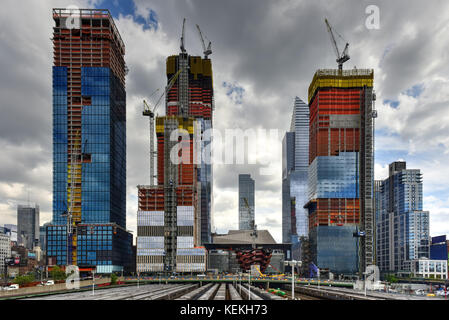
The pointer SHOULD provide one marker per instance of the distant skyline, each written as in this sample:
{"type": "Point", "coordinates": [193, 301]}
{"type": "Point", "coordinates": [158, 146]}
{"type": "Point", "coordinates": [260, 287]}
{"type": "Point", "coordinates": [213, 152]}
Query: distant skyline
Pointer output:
{"type": "Point", "coordinates": [264, 55]}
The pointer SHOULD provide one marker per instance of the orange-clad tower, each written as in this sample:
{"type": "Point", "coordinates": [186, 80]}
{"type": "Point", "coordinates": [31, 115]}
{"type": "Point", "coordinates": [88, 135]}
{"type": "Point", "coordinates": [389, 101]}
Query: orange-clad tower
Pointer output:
{"type": "Point", "coordinates": [341, 169]}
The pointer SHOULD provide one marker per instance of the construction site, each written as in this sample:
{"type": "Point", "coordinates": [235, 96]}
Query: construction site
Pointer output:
{"type": "Point", "coordinates": [174, 217]}
{"type": "Point", "coordinates": [175, 207]}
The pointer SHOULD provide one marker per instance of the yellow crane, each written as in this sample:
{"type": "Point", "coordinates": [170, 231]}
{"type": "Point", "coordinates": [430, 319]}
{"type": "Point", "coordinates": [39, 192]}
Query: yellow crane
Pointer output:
{"type": "Point", "coordinates": [73, 213]}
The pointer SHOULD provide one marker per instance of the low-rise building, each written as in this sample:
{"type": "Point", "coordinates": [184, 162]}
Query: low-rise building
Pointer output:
{"type": "Point", "coordinates": [426, 268]}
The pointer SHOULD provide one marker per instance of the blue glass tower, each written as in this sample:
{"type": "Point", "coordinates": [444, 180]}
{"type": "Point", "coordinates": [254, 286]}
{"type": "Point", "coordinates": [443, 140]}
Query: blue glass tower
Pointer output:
{"type": "Point", "coordinates": [89, 145]}
{"type": "Point", "coordinates": [295, 162]}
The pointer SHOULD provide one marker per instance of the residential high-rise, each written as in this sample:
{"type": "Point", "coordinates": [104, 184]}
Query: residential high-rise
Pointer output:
{"type": "Point", "coordinates": [28, 226]}
{"type": "Point", "coordinates": [5, 251]}
{"type": "Point", "coordinates": [246, 202]}
{"type": "Point", "coordinates": [295, 163]}
{"type": "Point", "coordinates": [340, 176]}
{"type": "Point", "coordinates": [174, 217]}
{"type": "Point", "coordinates": [89, 143]}
{"type": "Point", "coordinates": [402, 225]}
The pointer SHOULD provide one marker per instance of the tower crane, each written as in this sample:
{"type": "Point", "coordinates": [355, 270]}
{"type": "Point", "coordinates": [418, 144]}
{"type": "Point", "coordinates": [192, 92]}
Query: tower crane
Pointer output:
{"type": "Point", "coordinates": [147, 111]}
{"type": "Point", "coordinates": [150, 113]}
{"type": "Point", "coordinates": [207, 51]}
{"type": "Point", "coordinates": [344, 56]}
{"type": "Point", "coordinates": [183, 49]}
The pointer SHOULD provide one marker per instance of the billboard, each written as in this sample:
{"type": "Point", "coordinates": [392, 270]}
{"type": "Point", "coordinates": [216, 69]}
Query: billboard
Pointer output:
{"type": "Point", "coordinates": [439, 239]}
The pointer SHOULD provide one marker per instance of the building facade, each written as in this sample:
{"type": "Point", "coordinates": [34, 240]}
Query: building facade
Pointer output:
{"type": "Point", "coordinates": [5, 251]}
{"type": "Point", "coordinates": [246, 202]}
{"type": "Point", "coordinates": [89, 143]}
{"type": "Point", "coordinates": [43, 237]}
{"type": "Point", "coordinates": [402, 225]}
{"type": "Point", "coordinates": [174, 217]}
{"type": "Point", "coordinates": [28, 226]}
{"type": "Point", "coordinates": [295, 163]}
{"type": "Point", "coordinates": [12, 230]}
{"type": "Point", "coordinates": [340, 174]}
{"type": "Point", "coordinates": [439, 248]}
{"type": "Point", "coordinates": [426, 268]}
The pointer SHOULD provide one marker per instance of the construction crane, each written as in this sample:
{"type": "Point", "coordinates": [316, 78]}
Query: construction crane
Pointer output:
{"type": "Point", "coordinates": [183, 49]}
{"type": "Point", "coordinates": [252, 224]}
{"type": "Point", "coordinates": [73, 211]}
{"type": "Point", "coordinates": [207, 51]}
{"type": "Point", "coordinates": [147, 111]}
{"type": "Point", "coordinates": [150, 113]}
{"type": "Point", "coordinates": [344, 56]}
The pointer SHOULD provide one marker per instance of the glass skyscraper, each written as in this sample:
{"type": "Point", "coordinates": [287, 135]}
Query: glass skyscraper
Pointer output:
{"type": "Point", "coordinates": [295, 162]}
{"type": "Point", "coordinates": [402, 225]}
{"type": "Point", "coordinates": [246, 191]}
{"type": "Point", "coordinates": [89, 143]}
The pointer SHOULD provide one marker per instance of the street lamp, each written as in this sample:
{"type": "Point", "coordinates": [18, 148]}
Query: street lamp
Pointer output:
{"type": "Point", "coordinates": [293, 264]}
{"type": "Point", "coordinates": [93, 282]}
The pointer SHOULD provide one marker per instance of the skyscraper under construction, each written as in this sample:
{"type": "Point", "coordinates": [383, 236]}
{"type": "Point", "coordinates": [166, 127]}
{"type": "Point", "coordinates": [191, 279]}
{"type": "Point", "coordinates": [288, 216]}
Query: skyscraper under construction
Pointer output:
{"type": "Point", "coordinates": [174, 216]}
{"type": "Point", "coordinates": [341, 169]}
{"type": "Point", "coordinates": [89, 143]}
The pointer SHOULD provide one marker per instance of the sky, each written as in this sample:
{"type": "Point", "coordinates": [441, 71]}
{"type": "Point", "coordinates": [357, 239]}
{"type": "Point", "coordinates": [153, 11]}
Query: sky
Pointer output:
{"type": "Point", "coordinates": [265, 53]}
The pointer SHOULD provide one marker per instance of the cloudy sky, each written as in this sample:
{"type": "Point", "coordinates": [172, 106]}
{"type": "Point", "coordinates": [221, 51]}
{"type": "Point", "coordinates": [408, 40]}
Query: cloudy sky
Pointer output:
{"type": "Point", "coordinates": [264, 54]}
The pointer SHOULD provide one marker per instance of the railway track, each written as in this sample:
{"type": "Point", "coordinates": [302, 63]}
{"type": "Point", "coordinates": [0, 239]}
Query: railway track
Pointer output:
{"type": "Point", "coordinates": [192, 291]}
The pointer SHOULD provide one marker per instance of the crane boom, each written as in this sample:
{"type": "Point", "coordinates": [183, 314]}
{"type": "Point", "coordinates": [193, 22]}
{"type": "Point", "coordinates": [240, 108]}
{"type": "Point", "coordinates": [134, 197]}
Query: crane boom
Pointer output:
{"type": "Point", "coordinates": [334, 42]}
{"type": "Point", "coordinates": [207, 51]}
{"type": "Point", "coordinates": [183, 49]}
{"type": "Point", "coordinates": [344, 56]}
{"type": "Point", "coordinates": [150, 113]}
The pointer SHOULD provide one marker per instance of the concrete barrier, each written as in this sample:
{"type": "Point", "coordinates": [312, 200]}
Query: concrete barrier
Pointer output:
{"type": "Point", "coordinates": [46, 289]}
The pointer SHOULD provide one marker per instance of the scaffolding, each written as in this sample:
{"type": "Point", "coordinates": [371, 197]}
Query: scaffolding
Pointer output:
{"type": "Point", "coordinates": [183, 84]}
{"type": "Point", "coordinates": [170, 184]}
{"type": "Point", "coordinates": [367, 180]}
